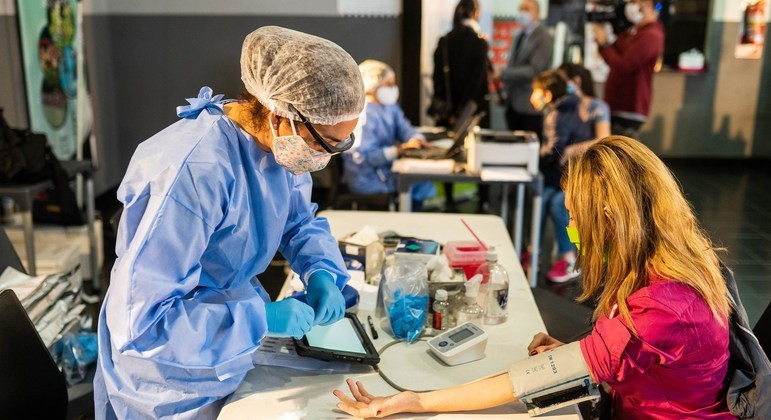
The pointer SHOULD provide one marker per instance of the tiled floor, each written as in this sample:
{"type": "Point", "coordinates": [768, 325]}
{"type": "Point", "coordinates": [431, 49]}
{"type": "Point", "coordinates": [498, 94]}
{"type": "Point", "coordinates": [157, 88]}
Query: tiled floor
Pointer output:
{"type": "Point", "coordinates": [733, 204]}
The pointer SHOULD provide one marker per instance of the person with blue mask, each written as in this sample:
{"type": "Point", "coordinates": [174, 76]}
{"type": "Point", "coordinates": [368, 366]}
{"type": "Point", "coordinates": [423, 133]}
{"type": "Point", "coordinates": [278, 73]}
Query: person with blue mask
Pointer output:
{"type": "Point", "coordinates": [385, 135]}
{"type": "Point", "coordinates": [531, 53]}
{"type": "Point", "coordinates": [564, 128]}
{"type": "Point", "coordinates": [208, 201]}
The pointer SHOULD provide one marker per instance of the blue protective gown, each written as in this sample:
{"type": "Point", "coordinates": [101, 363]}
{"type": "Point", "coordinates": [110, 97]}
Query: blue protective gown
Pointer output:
{"type": "Point", "coordinates": [368, 166]}
{"type": "Point", "coordinates": [205, 210]}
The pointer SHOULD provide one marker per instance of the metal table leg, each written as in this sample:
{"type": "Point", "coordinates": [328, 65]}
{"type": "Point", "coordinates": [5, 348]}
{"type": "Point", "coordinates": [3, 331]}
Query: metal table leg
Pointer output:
{"type": "Point", "coordinates": [405, 194]}
{"type": "Point", "coordinates": [29, 240]}
{"type": "Point", "coordinates": [92, 233]}
{"type": "Point", "coordinates": [535, 231]}
{"type": "Point", "coordinates": [505, 204]}
{"type": "Point", "coordinates": [518, 216]}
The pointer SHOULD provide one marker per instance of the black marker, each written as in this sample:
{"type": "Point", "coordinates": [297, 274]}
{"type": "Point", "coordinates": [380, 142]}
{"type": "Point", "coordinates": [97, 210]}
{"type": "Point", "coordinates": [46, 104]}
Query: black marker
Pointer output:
{"type": "Point", "coordinates": [372, 327]}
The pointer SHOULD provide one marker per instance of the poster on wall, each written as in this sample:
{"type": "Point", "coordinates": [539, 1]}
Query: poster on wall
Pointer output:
{"type": "Point", "coordinates": [503, 30]}
{"type": "Point", "coordinates": [49, 52]}
{"type": "Point", "coordinates": [752, 30]}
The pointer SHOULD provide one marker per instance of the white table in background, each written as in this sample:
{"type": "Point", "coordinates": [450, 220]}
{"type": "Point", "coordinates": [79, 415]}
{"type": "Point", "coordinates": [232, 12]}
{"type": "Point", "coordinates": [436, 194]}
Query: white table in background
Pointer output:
{"type": "Point", "coordinates": [274, 392]}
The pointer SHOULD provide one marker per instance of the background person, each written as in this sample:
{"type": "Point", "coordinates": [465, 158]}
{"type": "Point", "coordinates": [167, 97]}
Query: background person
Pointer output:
{"type": "Point", "coordinates": [632, 59]}
{"type": "Point", "coordinates": [385, 135]}
{"type": "Point", "coordinates": [531, 54]}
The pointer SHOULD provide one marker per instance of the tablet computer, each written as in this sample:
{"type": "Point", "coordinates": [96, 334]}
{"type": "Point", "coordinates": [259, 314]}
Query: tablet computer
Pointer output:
{"type": "Point", "coordinates": [345, 340]}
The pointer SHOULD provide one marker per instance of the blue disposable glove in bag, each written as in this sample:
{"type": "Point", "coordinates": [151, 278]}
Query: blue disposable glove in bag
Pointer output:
{"type": "Point", "coordinates": [325, 298]}
{"type": "Point", "coordinates": [289, 317]}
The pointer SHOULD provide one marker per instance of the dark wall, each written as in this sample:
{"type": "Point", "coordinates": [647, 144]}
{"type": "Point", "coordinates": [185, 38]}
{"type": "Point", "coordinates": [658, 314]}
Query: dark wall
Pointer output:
{"type": "Point", "coordinates": [143, 66]}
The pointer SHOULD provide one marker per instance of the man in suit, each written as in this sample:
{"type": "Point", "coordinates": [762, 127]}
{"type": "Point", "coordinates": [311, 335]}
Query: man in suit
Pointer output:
{"type": "Point", "coordinates": [530, 55]}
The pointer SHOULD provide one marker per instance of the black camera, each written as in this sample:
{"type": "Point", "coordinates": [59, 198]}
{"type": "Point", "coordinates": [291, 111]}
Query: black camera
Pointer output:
{"type": "Point", "coordinates": [608, 11]}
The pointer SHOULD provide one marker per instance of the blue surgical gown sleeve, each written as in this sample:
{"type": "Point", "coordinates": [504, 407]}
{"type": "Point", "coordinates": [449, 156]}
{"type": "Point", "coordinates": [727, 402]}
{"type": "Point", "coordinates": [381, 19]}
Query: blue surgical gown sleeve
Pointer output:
{"type": "Point", "coordinates": [386, 127]}
{"type": "Point", "coordinates": [372, 149]}
{"type": "Point", "coordinates": [404, 129]}
{"type": "Point", "coordinates": [307, 242]}
{"type": "Point", "coordinates": [170, 318]}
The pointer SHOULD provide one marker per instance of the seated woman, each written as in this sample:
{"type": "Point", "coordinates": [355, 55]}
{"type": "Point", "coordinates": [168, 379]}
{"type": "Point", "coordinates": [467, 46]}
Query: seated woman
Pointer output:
{"type": "Point", "coordinates": [591, 108]}
{"type": "Point", "coordinates": [563, 128]}
{"type": "Point", "coordinates": [385, 135]}
{"type": "Point", "coordinates": [660, 340]}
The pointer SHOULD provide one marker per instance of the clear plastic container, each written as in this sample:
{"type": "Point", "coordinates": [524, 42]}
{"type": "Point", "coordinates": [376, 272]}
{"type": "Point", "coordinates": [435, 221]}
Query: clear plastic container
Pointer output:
{"type": "Point", "coordinates": [466, 255]}
{"type": "Point", "coordinates": [495, 286]}
{"type": "Point", "coordinates": [471, 311]}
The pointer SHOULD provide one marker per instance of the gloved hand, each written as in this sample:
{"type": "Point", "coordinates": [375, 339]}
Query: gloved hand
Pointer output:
{"type": "Point", "coordinates": [289, 317]}
{"type": "Point", "coordinates": [325, 298]}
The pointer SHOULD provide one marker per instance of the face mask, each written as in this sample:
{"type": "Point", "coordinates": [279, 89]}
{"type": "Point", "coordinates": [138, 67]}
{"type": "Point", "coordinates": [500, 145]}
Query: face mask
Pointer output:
{"type": "Point", "coordinates": [387, 95]}
{"type": "Point", "coordinates": [571, 88]}
{"type": "Point", "coordinates": [295, 155]}
{"type": "Point", "coordinates": [524, 19]}
{"type": "Point", "coordinates": [573, 236]}
{"type": "Point", "coordinates": [633, 13]}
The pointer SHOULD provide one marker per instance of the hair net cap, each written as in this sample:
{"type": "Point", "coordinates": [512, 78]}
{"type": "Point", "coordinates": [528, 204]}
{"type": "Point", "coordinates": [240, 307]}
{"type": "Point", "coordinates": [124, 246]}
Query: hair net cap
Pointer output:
{"type": "Point", "coordinates": [282, 67]}
{"type": "Point", "coordinates": [374, 73]}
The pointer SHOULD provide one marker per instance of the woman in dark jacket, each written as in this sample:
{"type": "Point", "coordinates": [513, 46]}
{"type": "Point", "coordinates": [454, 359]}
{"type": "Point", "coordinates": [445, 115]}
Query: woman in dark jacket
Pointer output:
{"type": "Point", "coordinates": [461, 68]}
{"type": "Point", "coordinates": [461, 64]}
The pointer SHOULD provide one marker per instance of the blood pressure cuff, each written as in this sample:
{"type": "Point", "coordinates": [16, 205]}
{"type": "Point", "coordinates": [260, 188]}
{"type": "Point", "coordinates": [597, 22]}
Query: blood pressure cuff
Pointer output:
{"type": "Point", "coordinates": [553, 379]}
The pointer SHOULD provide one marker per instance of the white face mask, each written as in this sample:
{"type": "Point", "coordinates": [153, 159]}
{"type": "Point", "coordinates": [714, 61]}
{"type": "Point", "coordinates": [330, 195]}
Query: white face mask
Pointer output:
{"type": "Point", "coordinates": [633, 13]}
{"type": "Point", "coordinates": [295, 155]}
{"type": "Point", "coordinates": [524, 19]}
{"type": "Point", "coordinates": [387, 95]}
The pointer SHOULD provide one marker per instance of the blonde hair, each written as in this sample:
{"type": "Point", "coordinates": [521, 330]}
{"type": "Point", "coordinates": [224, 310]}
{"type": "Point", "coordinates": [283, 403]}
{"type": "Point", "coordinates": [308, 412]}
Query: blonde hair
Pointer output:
{"type": "Point", "coordinates": [633, 220]}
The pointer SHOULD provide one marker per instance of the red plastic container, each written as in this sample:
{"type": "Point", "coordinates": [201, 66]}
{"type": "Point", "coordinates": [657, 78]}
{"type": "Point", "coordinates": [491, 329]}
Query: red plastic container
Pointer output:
{"type": "Point", "coordinates": [468, 255]}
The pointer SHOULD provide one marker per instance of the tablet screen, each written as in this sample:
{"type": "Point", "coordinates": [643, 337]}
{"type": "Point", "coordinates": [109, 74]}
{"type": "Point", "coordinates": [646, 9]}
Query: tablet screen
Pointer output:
{"type": "Point", "coordinates": [339, 336]}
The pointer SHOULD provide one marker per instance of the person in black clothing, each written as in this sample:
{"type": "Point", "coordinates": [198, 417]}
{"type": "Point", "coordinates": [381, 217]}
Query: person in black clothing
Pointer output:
{"type": "Point", "coordinates": [461, 68]}
{"type": "Point", "coordinates": [461, 64]}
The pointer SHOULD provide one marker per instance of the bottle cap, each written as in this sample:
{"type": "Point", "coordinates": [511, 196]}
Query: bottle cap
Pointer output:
{"type": "Point", "coordinates": [492, 255]}
{"type": "Point", "coordinates": [441, 294]}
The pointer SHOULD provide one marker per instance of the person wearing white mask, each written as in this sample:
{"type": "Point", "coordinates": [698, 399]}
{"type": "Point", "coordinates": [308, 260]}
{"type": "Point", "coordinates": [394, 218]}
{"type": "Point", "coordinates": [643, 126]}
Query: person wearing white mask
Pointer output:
{"type": "Point", "coordinates": [632, 60]}
{"type": "Point", "coordinates": [385, 135]}
{"type": "Point", "coordinates": [207, 203]}
{"type": "Point", "coordinates": [531, 53]}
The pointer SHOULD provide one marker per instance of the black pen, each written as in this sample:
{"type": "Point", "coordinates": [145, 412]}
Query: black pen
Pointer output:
{"type": "Point", "coordinates": [372, 327]}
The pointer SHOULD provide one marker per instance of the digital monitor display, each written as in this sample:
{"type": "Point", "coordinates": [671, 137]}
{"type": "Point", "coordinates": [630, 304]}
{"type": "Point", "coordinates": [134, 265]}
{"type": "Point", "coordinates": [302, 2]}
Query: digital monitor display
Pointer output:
{"type": "Point", "coordinates": [461, 335]}
{"type": "Point", "coordinates": [340, 336]}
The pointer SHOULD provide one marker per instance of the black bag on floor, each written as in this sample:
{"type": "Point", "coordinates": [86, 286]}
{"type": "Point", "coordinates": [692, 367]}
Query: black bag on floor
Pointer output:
{"type": "Point", "coordinates": [749, 371]}
{"type": "Point", "coordinates": [22, 155]}
{"type": "Point", "coordinates": [26, 157]}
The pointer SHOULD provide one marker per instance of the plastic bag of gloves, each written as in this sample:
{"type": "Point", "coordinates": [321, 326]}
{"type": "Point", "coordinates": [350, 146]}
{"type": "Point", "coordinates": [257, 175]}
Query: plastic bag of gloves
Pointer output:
{"type": "Point", "coordinates": [405, 298]}
{"type": "Point", "coordinates": [76, 352]}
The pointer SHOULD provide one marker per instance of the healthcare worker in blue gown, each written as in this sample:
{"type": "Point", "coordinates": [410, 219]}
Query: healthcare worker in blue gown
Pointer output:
{"type": "Point", "coordinates": [207, 203]}
{"type": "Point", "coordinates": [385, 134]}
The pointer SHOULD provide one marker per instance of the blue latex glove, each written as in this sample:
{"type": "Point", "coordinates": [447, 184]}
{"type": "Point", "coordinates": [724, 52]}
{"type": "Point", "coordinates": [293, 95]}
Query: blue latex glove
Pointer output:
{"type": "Point", "coordinates": [325, 298]}
{"type": "Point", "coordinates": [289, 317]}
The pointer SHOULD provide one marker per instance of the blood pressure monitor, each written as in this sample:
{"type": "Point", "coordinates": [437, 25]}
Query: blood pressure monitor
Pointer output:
{"type": "Point", "coordinates": [462, 344]}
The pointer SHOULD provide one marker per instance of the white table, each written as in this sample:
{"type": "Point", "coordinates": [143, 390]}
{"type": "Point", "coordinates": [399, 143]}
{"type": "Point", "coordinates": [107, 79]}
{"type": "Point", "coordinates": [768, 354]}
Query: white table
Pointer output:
{"type": "Point", "coordinates": [273, 392]}
{"type": "Point", "coordinates": [535, 183]}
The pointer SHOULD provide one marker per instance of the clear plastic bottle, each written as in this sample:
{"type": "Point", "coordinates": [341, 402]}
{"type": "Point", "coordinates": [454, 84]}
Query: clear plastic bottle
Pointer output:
{"type": "Point", "coordinates": [497, 289]}
{"type": "Point", "coordinates": [471, 311]}
{"type": "Point", "coordinates": [441, 310]}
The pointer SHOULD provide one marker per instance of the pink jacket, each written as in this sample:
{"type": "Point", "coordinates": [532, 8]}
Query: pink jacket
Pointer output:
{"type": "Point", "coordinates": [674, 368]}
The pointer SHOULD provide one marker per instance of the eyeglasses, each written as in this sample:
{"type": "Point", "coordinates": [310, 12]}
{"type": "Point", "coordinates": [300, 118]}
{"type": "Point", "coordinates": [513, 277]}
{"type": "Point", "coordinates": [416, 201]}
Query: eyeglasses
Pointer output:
{"type": "Point", "coordinates": [339, 147]}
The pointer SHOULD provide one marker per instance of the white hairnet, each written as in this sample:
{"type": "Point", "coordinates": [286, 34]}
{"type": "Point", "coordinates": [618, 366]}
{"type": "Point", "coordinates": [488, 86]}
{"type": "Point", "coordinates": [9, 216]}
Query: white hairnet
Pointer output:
{"type": "Point", "coordinates": [374, 73]}
{"type": "Point", "coordinates": [280, 67]}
